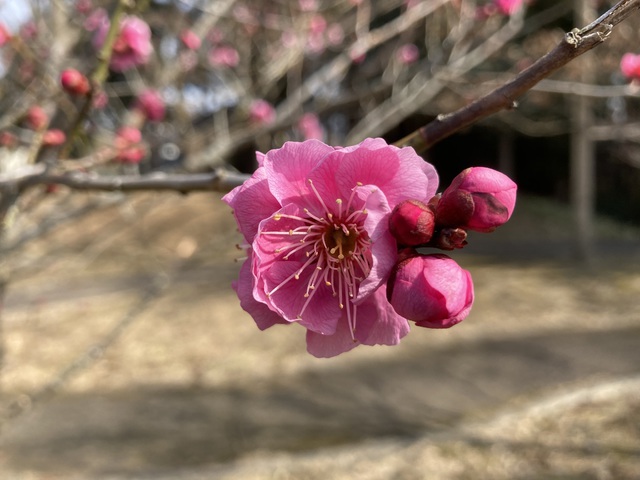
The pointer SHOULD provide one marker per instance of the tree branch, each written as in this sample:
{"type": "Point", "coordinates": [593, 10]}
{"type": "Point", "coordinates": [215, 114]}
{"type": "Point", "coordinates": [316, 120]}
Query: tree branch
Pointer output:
{"type": "Point", "coordinates": [573, 44]}
{"type": "Point", "coordinates": [220, 180]}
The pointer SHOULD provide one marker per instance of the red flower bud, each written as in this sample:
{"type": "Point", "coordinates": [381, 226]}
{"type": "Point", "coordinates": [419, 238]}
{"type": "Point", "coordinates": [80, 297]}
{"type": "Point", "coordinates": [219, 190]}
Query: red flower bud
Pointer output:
{"type": "Point", "coordinates": [5, 36]}
{"type": "Point", "coordinates": [432, 290]}
{"type": "Point", "coordinates": [37, 118]}
{"type": "Point", "coordinates": [53, 137]}
{"type": "Point", "coordinates": [190, 39]}
{"type": "Point", "coordinates": [74, 82]}
{"type": "Point", "coordinates": [129, 144]}
{"type": "Point", "coordinates": [8, 139]}
{"type": "Point", "coordinates": [412, 223]}
{"type": "Point", "coordinates": [151, 104]}
{"type": "Point", "coordinates": [479, 199]}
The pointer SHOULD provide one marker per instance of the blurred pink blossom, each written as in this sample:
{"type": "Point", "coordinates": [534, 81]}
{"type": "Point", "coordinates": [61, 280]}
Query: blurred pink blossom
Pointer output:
{"type": "Point", "coordinates": [129, 146]}
{"type": "Point", "coordinates": [53, 137]}
{"type": "Point", "coordinates": [83, 7]}
{"type": "Point", "coordinates": [190, 39]}
{"type": "Point", "coordinates": [315, 223]}
{"type": "Point", "coordinates": [262, 112]}
{"type": "Point", "coordinates": [310, 127]}
{"type": "Point", "coordinates": [100, 99]}
{"type": "Point", "coordinates": [150, 103]}
{"type": "Point", "coordinates": [335, 34]}
{"type": "Point", "coordinates": [315, 43]}
{"type": "Point", "coordinates": [5, 36]}
{"type": "Point", "coordinates": [630, 66]}
{"type": "Point", "coordinates": [224, 56]}
{"type": "Point", "coordinates": [74, 82]}
{"type": "Point", "coordinates": [508, 7]}
{"type": "Point", "coordinates": [37, 118]}
{"type": "Point", "coordinates": [317, 24]}
{"type": "Point", "coordinates": [97, 20]}
{"type": "Point", "coordinates": [8, 139]}
{"type": "Point", "coordinates": [408, 53]}
{"type": "Point", "coordinates": [132, 46]}
{"type": "Point", "coordinates": [432, 290]}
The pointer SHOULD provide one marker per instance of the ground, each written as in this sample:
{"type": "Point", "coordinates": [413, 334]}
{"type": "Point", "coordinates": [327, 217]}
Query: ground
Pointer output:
{"type": "Point", "coordinates": [128, 357]}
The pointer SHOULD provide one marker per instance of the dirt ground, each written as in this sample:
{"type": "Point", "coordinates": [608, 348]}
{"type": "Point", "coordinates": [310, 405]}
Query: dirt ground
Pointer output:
{"type": "Point", "coordinates": [127, 356]}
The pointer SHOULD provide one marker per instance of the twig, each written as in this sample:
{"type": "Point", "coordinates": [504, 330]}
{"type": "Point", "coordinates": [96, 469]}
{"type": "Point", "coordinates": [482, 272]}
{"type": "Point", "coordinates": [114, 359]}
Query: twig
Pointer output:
{"type": "Point", "coordinates": [215, 153]}
{"type": "Point", "coordinates": [220, 180]}
{"type": "Point", "coordinates": [573, 44]}
{"type": "Point", "coordinates": [98, 76]}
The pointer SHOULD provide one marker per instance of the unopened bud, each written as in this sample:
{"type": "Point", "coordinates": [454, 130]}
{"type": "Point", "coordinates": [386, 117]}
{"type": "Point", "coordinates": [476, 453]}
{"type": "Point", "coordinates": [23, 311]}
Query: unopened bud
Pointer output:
{"type": "Point", "coordinates": [74, 82]}
{"type": "Point", "coordinates": [53, 137]}
{"type": "Point", "coordinates": [412, 223]}
{"type": "Point", "coordinates": [479, 199]}
{"type": "Point", "coordinates": [37, 118]}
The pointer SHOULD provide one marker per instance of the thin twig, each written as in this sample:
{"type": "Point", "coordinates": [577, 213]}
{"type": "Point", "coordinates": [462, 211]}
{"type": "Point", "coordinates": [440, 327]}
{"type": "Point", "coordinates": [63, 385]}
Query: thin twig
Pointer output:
{"type": "Point", "coordinates": [220, 180]}
{"type": "Point", "coordinates": [573, 44]}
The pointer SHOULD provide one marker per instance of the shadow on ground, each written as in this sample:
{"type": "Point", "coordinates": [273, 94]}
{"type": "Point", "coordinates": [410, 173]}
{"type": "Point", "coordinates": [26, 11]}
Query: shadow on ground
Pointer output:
{"type": "Point", "coordinates": [132, 431]}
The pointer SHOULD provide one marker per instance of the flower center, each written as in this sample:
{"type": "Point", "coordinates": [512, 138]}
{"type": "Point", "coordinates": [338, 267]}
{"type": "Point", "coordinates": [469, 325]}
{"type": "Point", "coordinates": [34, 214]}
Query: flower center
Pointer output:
{"type": "Point", "coordinates": [341, 244]}
{"type": "Point", "coordinates": [334, 249]}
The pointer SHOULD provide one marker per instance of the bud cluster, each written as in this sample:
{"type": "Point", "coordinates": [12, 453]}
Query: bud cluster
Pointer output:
{"type": "Point", "coordinates": [432, 289]}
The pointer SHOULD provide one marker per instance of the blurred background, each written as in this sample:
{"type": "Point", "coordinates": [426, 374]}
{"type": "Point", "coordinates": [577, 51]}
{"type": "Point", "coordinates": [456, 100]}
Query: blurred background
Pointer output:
{"type": "Point", "coordinates": [125, 353]}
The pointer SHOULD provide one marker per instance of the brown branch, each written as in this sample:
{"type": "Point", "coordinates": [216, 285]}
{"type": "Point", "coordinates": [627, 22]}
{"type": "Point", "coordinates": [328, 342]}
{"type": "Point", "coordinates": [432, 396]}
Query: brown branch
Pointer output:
{"type": "Point", "coordinates": [573, 44]}
{"type": "Point", "coordinates": [220, 180]}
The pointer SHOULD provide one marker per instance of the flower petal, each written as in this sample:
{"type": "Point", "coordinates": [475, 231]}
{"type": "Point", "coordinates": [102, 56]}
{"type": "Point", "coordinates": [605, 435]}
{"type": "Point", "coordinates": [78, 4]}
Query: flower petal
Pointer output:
{"type": "Point", "coordinates": [261, 313]}
{"type": "Point", "coordinates": [326, 346]}
{"type": "Point", "coordinates": [288, 168]}
{"type": "Point", "coordinates": [383, 245]}
{"type": "Point", "coordinates": [252, 202]}
{"type": "Point", "coordinates": [378, 323]}
{"type": "Point", "coordinates": [400, 173]}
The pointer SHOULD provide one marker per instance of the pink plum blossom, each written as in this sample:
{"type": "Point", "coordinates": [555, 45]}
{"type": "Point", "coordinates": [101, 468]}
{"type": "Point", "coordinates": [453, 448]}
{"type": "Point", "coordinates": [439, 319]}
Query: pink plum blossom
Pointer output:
{"type": "Point", "coordinates": [132, 46]}
{"type": "Point", "coordinates": [335, 34]}
{"type": "Point", "coordinates": [150, 103]}
{"type": "Point", "coordinates": [315, 222]}
{"type": "Point", "coordinates": [53, 137]}
{"type": "Point", "coordinates": [74, 82]}
{"type": "Point", "coordinates": [224, 56]}
{"type": "Point", "coordinates": [190, 39]}
{"type": "Point", "coordinates": [97, 20]}
{"type": "Point", "coordinates": [129, 146]}
{"type": "Point", "coordinates": [37, 118]}
{"type": "Point", "coordinates": [8, 139]}
{"type": "Point", "coordinates": [5, 36]}
{"type": "Point", "coordinates": [630, 66]}
{"type": "Point", "coordinates": [261, 112]}
{"type": "Point", "coordinates": [408, 54]}
{"type": "Point", "coordinates": [508, 7]}
{"type": "Point", "coordinates": [432, 290]}
{"type": "Point", "coordinates": [100, 100]}
{"type": "Point", "coordinates": [83, 7]}
{"type": "Point", "coordinates": [310, 127]}
{"type": "Point", "coordinates": [479, 199]}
